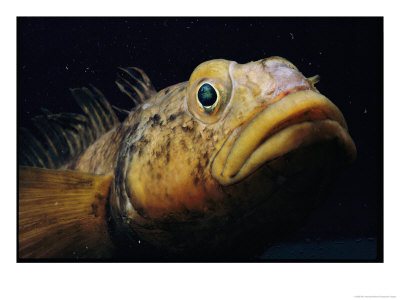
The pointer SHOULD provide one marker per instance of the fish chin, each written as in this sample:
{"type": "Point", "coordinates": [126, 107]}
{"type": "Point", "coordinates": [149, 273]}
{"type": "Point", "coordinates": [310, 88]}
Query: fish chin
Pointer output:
{"type": "Point", "coordinates": [300, 119]}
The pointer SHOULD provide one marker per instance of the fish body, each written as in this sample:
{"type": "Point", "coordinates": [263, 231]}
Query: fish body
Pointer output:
{"type": "Point", "coordinates": [234, 156]}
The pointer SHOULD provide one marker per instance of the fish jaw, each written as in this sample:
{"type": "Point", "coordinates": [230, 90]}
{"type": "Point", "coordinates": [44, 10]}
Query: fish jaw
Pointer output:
{"type": "Point", "coordinates": [297, 120]}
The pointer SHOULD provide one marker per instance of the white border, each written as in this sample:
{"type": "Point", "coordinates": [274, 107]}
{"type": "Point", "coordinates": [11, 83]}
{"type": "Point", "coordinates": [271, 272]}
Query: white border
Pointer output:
{"type": "Point", "coordinates": [198, 281]}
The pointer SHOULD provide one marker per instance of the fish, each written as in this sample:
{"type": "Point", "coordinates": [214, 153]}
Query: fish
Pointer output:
{"type": "Point", "coordinates": [210, 168]}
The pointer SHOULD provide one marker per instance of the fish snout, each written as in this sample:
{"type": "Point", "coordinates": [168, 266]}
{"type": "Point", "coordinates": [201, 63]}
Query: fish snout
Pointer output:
{"type": "Point", "coordinates": [286, 76]}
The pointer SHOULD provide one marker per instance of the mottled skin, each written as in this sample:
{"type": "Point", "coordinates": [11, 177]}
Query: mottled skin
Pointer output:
{"type": "Point", "coordinates": [173, 185]}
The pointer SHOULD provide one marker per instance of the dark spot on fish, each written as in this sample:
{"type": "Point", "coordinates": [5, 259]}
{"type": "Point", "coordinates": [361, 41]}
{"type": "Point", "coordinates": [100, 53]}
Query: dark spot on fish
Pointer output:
{"type": "Point", "coordinates": [161, 123]}
{"type": "Point", "coordinates": [95, 210]}
{"type": "Point", "coordinates": [143, 141]}
{"type": "Point", "coordinates": [206, 158]}
{"type": "Point", "coordinates": [183, 143]}
{"type": "Point", "coordinates": [132, 148]}
{"type": "Point", "coordinates": [158, 176]}
{"type": "Point", "coordinates": [196, 180]}
{"type": "Point", "coordinates": [199, 167]}
{"type": "Point", "coordinates": [172, 117]}
{"type": "Point", "coordinates": [149, 163]}
{"type": "Point", "coordinates": [166, 91]}
{"type": "Point", "coordinates": [167, 157]}
{"type": "Point", "coordinates": [182, 89]}
{"type": "Point", "coordinates": [187, 128]}
{"type": "Point", "coordinates": [135, 126]}
{"type": "Point", "coordinates": [156, 118]}
{"type": "Point", "coordinates": [197, 136]}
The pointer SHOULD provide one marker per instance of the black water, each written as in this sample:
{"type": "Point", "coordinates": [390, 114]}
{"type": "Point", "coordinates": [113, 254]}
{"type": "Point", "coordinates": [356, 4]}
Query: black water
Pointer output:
{"type": "Point", "coordinates": [55, 54]}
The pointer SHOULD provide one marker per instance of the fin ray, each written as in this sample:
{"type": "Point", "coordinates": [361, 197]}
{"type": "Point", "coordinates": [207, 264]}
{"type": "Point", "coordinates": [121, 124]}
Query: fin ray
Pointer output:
{"type": "Point", "coordinates": [84, 102]}
{"type": "Point", "coordinates": [120, 110]}
{"type": "Point", "coordinates": [63, 136]}
{"type": "Point", "coordinates": [109, 117]}
{"type": "Point", "coordinates": [137, 87]}
{"type": "Point", "coordinates": [35, 149]}
{"type": "Point", "coordinates": [126, 92]}
{"type": "Point", "coordinates": [126, 84]}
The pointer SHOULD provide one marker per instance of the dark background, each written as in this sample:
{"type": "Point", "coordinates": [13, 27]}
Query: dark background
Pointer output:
{"type": "Point", "coordinates": [55, 54]}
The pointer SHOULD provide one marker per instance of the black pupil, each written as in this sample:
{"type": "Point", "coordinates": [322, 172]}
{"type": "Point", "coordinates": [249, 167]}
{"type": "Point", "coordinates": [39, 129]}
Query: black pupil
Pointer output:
{"type": "Point", "coordinates": [207, 95]}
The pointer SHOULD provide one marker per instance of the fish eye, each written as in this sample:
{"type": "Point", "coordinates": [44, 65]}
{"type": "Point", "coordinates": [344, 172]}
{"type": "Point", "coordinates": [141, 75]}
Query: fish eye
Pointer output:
{"type": "Point", "coordinates": [208, 97]}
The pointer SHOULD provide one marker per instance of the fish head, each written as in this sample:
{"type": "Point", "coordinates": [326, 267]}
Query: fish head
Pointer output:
{"type": "Point", "coordinates": [240, 147]}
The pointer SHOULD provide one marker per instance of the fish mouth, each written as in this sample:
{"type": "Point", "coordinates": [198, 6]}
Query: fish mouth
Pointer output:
{"type": "Point", "coordinates": [297, 120]}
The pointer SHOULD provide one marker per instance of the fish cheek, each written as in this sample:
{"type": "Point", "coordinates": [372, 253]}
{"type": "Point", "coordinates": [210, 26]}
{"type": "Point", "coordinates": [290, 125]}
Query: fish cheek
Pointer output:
{"type": "Point", "coordinates": [166, 181]}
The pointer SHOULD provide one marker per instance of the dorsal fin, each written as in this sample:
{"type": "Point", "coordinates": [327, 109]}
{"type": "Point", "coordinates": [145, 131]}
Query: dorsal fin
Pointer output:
{"type": "Point", "coordinates": [58, 138]}
{"type": "Point", "coordinates": [62, 214]}
{"type": "Point", "coordinates": [134, 83]}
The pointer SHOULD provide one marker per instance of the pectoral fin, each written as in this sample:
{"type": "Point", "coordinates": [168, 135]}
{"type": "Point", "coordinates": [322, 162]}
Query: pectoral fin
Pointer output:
{"type": "Point", "coordinates": [62, 214]}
